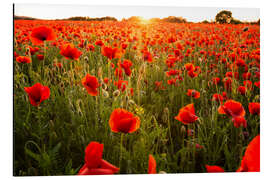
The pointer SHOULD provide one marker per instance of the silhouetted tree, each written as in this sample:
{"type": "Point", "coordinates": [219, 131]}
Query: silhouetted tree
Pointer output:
{"type": "Point", "coordinates": [224, 17]}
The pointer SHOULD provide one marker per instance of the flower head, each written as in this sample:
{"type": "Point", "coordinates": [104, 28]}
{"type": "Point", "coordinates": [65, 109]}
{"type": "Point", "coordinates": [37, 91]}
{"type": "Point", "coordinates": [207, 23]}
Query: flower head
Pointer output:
{"type": "Point", "coordinates": [41, 34]}
{"type": "Point", "coordinates": [124, 121]}
{"type": "Point", "coordinates": [91, 84]}
{"type": "Point", "coordinates": [251, 159]}
{"type": "Point", "coordinates": [94, 164]}
{"type": "Point", "coordinates": [37, 93]}
{"type": "Point", "coordinates": [187, 114]}
{"type": "Point", "coordinates": [70, 52]}
{"type": "Point", "coordinates": [152, 165]}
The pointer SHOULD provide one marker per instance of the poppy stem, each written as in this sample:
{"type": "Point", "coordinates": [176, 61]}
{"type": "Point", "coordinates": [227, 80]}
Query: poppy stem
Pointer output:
{"type": "Point", "coordinates": [121, 149]}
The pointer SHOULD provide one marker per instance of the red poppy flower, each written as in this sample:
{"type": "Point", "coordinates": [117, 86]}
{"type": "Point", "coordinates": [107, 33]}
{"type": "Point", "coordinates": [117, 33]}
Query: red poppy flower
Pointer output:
{"type": "Point", "coordinates": [147, 56]}
{"type": "Point", "coordinates": [189, 67]}
{"type": "Point", "coordinates": [227, 83]}
{"type": "Point", "coordinates": [187, 114]}
{"type": "Point", "coordinates": [41, 34]}
{"type": "Point", "coordinates": [118, 73]}
{"type": "Point", "coordinates": [214, 169]}
{"type": "Point", "coordinates": [242, 90]}
{"type": "Point", "coordinates": [246, 75]}
{"type": "Point", "coordinates": [121, 85]}
{"type": "Point", "coordinates": [94, 164]}
{"type": "Point", "coordinates": [239, 121]}
{"type": "Point", "coordinates": [110, 53]}
{"type": "Point", "coordinates": [152, 165]}
{"type": "Point", "coordinates": [70, 52]}
{"type": "Point", "coordinates": [215, 80]}
{"type": "Point", "coordinates": [23, 59]}
{"type": "Point", "coordinates": [159, 85]}
{"type": "Point", "coordinates": [59, 65]}
{"type": "Point", "coordinates": [126, 66]}
{"type": "Point", "coordinates": [217, 97]}
{"type": "Point", "coordinates": [248, 84]}
{"type": "Point", "coordinates": [106, 80]}
{"type": "Point", "coordinates": [193, 93]}
{"type": "Point", "coordinates": [172, 81]}
{"type": "Point", "coordinates": [37, 93]}
{"type": "Point", "coordinates": [123, 121]}
{"type": "Point", "coordinates": [172, 72]}
{"type": "Point", "coordinates": [91, 47]}
{"type": "Point", "coordinates": [91, 84]}
{"type": "Point", "coordinates": [232, 108]}
{"type": "Point", "coordinates": [254, 108]}
{"type": "Point", "coordinates": [257, 84]}
{"type": "Point", "coordinates": [192, 74]}
{"type": "Point", "coordinates": [251, 159]}
{"type": "Point", "coordinates": [40, 56]}
{"type": "Point", "coordinates": [99, 43]}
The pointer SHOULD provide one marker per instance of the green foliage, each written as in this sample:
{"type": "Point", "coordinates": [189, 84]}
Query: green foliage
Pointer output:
{"type": "Point", "coordinates": [51, 139]}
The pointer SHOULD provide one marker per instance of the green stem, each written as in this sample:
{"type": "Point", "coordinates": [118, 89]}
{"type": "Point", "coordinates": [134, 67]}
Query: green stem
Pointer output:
{"type": "Point", "coordinates": [121, 149]}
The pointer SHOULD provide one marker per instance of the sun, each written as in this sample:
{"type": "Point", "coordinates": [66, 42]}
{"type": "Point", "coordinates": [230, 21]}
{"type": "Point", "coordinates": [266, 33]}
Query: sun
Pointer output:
{"type": "Point", "coordinates": [144, 21]}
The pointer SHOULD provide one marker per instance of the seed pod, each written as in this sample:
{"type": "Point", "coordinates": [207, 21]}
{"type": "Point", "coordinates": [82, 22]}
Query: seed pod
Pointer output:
{"type": "Point", "coordinates": [104, 86]}
{"type": "Point", "coordinates": [105, 93]}
{"type": "Point", "coordinates": [131, 102]}
{"type": "Point", "coordinates": [116, 93]}
{"type": "Point", "coordinates": [85, 58]}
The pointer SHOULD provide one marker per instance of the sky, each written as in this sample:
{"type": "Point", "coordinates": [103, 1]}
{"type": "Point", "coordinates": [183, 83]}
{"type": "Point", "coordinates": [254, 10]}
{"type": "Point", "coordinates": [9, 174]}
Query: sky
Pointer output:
{"type": "Point", "coordinates": [193, 14]}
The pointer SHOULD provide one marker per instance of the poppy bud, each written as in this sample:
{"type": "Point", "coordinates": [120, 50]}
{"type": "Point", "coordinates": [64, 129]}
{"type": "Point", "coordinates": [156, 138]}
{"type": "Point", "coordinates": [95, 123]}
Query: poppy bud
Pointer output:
{"type": "Point", "coordinates": [162, 172]}
{"type": "Point", "coordinates": [85, 58]}
{"type": "Point", "coordinates": [166, 110]}
{"type": "Point", "coordinates": [104, 86]}
{"type": "Point", "coordinates": [105, 93]}
{"type": "Point", "coordinates": [183, 130]}
{"type": "Point", "coordinates": [131, 102]}
{"type": "Point", "coordinates": [116, 93]}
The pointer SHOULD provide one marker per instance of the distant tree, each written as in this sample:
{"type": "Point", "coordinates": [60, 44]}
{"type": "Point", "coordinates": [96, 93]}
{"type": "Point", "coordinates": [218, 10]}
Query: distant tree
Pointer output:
{"type": "Point", "coordinates": [224, 17]}
{"type": "Point", "coordinates": [173, 19]}
{"type": "Point", "coordinates": [205, 22]}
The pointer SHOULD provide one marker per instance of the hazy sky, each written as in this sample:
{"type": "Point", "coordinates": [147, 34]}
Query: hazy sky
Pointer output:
{"type": "Point", "coordinates": [194, 14]}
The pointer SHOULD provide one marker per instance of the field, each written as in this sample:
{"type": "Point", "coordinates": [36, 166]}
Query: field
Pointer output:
{"type": "Point", "coordinates": [145, 97]}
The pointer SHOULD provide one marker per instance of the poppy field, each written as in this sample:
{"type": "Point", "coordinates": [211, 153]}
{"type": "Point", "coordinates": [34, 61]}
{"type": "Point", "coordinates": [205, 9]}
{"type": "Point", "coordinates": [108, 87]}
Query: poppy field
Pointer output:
{"type": "Point", "coordinates": [106, 97]}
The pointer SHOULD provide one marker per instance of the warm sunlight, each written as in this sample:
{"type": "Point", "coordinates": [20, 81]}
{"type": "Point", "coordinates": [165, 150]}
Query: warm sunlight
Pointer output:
{"type": "Point", "coordinates": [144, 21]}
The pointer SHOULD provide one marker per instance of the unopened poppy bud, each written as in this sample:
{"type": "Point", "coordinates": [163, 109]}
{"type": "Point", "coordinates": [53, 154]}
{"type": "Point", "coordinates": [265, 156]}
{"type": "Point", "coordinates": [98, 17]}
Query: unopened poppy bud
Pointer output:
{"type": "Point", "coordinates": [104, 86]}
{"type": "Point", "coordinates": [162, 172]}
{"type": "Point", "coordinates": [183, 129]}
{"type": "Point", "coordinates": [116, 93]}
{"type": "Point", "coordinates": [85, 58]}
{"type": "Point", "coordinates": [51, 123]}
{"type": "Point", "coordinates": [100, 72]}
{"type": "Point", "coordinates": [85, 43]}
{"type": "Point", "coordinates": [54, 134]}
{"type": "Point", "coordinates": [126, 98]}
{"type": "Point", "coordinates": [105, 93]}
{"type": "Point", "coordinates": [163, 155]}
{"type": "Point", "coordinates": [131, 102]}
{"type": "Point", "coordinates": [166, 110]}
